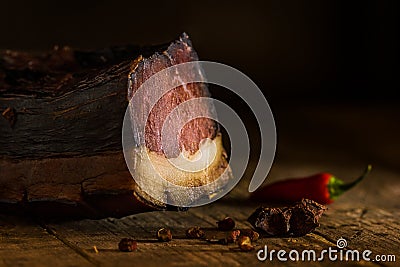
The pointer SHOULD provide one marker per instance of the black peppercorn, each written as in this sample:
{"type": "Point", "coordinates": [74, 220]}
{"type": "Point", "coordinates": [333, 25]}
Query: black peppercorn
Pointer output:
{"type": "Point", "coordinates": [226, 224]}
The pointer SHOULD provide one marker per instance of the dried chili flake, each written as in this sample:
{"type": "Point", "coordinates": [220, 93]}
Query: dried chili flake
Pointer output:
{"type": "Point", "coordinates": [244, 243]}
{"type": "Point", "coordinates": [127, 245]}
{"type": "Point", "coordinates": [195, 232]}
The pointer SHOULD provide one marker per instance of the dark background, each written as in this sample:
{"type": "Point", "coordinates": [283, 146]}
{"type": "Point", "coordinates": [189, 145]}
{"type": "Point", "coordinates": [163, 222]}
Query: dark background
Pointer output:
{"type": "Point", "coordinates": [329, 69]}
{"type": "Point", "coordinates": [328, 50]}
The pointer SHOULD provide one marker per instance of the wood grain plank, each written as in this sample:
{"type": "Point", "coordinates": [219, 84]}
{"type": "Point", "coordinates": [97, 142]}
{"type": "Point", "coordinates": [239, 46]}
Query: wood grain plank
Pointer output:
{"type": "Point", "coordinates": [24, 243]}
{"type": "Point", "coordinates": [105, 235]}
{"type": "Point", "coordinates": [362, 224]}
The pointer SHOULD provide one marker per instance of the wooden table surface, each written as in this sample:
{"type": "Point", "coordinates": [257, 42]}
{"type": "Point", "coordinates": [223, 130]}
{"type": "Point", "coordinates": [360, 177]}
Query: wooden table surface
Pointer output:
{"type": "Point", "coordinates": [340, 139]}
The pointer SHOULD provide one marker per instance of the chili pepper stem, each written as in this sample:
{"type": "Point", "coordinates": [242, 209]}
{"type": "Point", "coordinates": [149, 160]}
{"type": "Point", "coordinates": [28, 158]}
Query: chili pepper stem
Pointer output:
{"type": "Point", "coordinates": [337, 187]}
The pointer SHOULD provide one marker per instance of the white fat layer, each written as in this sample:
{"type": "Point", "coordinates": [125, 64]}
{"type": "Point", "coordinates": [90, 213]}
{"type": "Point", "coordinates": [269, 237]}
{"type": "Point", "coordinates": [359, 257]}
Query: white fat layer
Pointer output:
{"type": "Point", "coordinates": [182, 180]}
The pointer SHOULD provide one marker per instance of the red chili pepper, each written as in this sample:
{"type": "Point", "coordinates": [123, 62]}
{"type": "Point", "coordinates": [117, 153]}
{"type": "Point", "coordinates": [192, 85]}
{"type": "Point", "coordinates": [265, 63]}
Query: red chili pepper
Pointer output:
{"type": "Point", "coordinates": [323, 188]}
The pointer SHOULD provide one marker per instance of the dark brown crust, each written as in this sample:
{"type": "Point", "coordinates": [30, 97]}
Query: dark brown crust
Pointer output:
{"type": "Point", "coordinates": [180, 51]}
{"type": "Point", "coordinates": [60, 130]}
{"type": "Point", "coordinates": [83, 122]}
{"type": "Point", "coordinates": [61, 112]}
{"type": "Point", "coordinates": [60, 70]}
{"type": "Point", "coordinates": [52, 187]}
{"type": "Point", "coordinates": [65, 102]}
